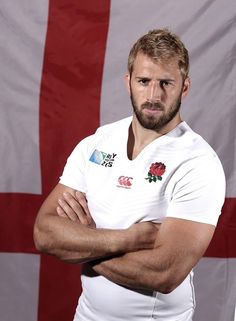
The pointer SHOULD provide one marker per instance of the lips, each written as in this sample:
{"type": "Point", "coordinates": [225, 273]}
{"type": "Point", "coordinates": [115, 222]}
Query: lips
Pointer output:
{"type": "Point", "coordinates": [152, 106]}
{"type": "Point", "coordinates": [152, 111]}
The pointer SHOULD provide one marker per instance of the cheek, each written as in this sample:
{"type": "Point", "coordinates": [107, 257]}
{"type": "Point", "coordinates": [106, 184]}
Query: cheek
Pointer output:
{"type": "Point", "coordinates": [140, 98]}
{"type": "Point", "coordinates": [139, 93]}
{"type": "Point", "coordinates": [173, 95]}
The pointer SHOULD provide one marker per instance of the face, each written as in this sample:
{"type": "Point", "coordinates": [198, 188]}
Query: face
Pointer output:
{"type": "Point", "coordinates": [156, 90]}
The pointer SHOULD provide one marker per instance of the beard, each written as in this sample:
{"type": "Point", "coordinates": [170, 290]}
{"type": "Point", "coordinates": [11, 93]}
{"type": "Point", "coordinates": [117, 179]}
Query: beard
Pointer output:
{"type": "Point", "coordinates": [153, 122]}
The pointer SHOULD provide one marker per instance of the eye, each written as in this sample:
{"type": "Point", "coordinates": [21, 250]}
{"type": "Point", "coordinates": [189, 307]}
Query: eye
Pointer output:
{"type": "Point", "coordinates": [143, 81]}
{"type": "Point", "coordinates": [164, 83]}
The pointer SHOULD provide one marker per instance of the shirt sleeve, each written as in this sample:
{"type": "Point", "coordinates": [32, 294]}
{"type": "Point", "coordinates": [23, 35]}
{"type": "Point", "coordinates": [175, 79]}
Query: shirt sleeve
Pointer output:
{"type": "Point", "coordinates": [199, 192]}
{"type": "Point", "coordinates": [74, 171]}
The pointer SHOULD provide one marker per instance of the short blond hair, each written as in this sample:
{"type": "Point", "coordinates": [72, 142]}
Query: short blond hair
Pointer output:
{"type": "Point", "coordinates": [161, 44]}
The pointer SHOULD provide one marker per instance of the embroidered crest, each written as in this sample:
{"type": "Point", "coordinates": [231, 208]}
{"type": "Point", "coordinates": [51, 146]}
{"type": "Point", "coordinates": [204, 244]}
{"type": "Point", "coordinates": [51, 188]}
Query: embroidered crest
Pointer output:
{"type": "Point", "coordinates": [155, 172]}
{"type": "Point", "coordinates": [101, 158]}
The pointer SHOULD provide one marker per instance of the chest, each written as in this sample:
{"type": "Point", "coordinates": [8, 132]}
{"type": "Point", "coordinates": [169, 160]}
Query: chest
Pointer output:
{"type": "Point", "coordinates": [121, 192]}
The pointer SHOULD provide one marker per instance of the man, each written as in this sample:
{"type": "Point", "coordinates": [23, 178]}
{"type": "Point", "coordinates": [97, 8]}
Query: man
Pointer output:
{"type": "Point", "coordinates": [138, 201]}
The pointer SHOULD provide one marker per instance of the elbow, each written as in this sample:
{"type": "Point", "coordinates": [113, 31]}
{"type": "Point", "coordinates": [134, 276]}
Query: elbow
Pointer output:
{"type": "Point", "coordinates": [166, 288]}
{"type": "Point", "coordinates": [39, 239]}
{"type": "Point", "coordinates": [166, 284]}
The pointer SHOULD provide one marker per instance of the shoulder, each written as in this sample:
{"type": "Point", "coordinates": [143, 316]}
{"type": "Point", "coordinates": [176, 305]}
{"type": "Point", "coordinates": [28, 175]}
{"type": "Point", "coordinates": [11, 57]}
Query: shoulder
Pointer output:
{"type": "Point", "coordinates": [114, 127]}
{"type": "Point", "coordinates": [198, 184]}
{"type": "Point", "coordinates": [105, 133]}
{"type": "Point", "coordinates": [195, 146]}
{"type": "Point", "coordinates": [198, 162]}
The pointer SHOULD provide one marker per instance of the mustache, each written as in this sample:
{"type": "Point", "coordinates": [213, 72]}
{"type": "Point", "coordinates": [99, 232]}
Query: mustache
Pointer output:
{"type": "Point", "coordinates": [154, 105]}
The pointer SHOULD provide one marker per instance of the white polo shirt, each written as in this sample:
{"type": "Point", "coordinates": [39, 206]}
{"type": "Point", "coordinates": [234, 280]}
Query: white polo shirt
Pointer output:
{"type": "Point", "coordinates": [177, 175]}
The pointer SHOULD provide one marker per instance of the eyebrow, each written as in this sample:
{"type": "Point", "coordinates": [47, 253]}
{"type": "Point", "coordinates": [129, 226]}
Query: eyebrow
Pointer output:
{"type": "Point", "coordinates": [159, 79]}
{"type": "Point", "coordinates": [167, 79]}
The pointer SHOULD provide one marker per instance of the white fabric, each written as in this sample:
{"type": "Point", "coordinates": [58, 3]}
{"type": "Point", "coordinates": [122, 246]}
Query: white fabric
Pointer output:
{"type": "Point", "coordinates": [19, 283]}
{"type": "Point", "coordinates": [215, 285]}
{"type": "Point", "coordinates": [103, 300]}
{"type": "Point", "coordinates": [189, 188]}
{"type": "Point", "coordinates": [23, 26]}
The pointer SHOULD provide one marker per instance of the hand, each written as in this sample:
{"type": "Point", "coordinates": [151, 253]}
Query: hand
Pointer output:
{"type": "Point", "coordinates": [144, 234]}
{"type": "Point", "coordinates": [75, 208]}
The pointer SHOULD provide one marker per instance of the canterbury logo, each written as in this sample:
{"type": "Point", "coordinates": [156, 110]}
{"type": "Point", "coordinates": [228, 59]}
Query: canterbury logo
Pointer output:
{"type": "Point", "coordinates": [125, 181]}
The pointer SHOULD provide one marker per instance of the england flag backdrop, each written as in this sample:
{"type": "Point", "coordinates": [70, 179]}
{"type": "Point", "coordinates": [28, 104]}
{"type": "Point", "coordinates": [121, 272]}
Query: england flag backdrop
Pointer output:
{"type": "Point", "coordinates": [62, 66]}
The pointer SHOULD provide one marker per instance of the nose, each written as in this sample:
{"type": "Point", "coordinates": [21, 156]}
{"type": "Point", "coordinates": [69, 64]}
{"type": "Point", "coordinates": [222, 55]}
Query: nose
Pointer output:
{"type": "Point", "coordinates": [154, 92]}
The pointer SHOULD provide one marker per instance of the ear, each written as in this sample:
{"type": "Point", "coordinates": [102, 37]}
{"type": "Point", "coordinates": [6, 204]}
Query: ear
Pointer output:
{"type": "Point", "coordinates": [127, 82]}
{"type": "Point", "coordinates": [186, 87]}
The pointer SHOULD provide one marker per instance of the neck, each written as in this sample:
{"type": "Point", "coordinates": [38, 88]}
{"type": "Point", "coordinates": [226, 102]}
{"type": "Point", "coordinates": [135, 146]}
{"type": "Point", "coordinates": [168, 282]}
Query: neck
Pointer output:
{"type": "Point", "coordinates": [140, 137]}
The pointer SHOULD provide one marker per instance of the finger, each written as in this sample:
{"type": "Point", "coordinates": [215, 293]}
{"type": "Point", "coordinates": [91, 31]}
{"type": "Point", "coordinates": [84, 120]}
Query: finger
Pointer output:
{"type": "Point", "coordinates": [60, 212]}
{"type": "Point", "coordinates": [76, 208]}
{"type": "Point", "coordinates": [67, 209]}
{"type": "Point", "coordinates": [83, 202]}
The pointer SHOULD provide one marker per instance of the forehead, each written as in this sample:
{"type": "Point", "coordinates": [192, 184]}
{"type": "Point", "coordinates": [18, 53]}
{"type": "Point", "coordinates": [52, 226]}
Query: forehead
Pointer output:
{"type": "Point", "coordinates": [143, 64]}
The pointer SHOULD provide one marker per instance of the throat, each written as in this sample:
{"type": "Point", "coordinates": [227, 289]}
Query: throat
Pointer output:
{"type": "Point", "coordinates": [135, 145]}
{"type": "Point", "coordinates": [135, 152]}
{"type": "Point", "coordinates": [130, 144]}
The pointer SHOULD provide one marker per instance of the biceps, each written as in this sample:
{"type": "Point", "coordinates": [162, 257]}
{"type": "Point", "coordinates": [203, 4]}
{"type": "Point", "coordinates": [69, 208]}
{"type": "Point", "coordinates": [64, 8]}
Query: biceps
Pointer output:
{"type": "Point", "coordinates": [184, 241]}
{"type": "Point", "coordinates": [47, 213]}
{"type": "Point", "coordinates": [51, 202]}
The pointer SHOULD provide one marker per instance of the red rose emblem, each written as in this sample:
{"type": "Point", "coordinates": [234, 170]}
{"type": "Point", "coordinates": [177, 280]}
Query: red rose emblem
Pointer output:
{"type": "Point", "coordinates": [155, 172]}
{"type": "Point", "coordinates": [157, 169]}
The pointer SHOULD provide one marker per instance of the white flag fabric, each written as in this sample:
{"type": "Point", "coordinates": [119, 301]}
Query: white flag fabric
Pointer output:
{"type": "Point", "coordinates": [62, 68]}
{"type": "Point", "coordinates": [23, 28]}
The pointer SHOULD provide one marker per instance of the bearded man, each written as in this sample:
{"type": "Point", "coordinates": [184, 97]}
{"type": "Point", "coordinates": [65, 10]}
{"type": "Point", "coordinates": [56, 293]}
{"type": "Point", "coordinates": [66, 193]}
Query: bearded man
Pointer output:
{"type": "Point", "coordinates": [139, 200]}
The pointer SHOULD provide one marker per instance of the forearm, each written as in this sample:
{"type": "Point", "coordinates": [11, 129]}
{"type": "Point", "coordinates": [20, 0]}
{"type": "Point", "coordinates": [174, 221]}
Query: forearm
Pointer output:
{"type": "Point", "coordinates": [72, 241]}
{"type": "Point", "coordinates": [178, 247]}
{"type": "Point", "coordinates": [145, 269]}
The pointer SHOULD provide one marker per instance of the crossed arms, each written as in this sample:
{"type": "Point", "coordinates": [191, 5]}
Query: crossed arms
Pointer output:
{"type": "Point", "coordinates": [144, 256]}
